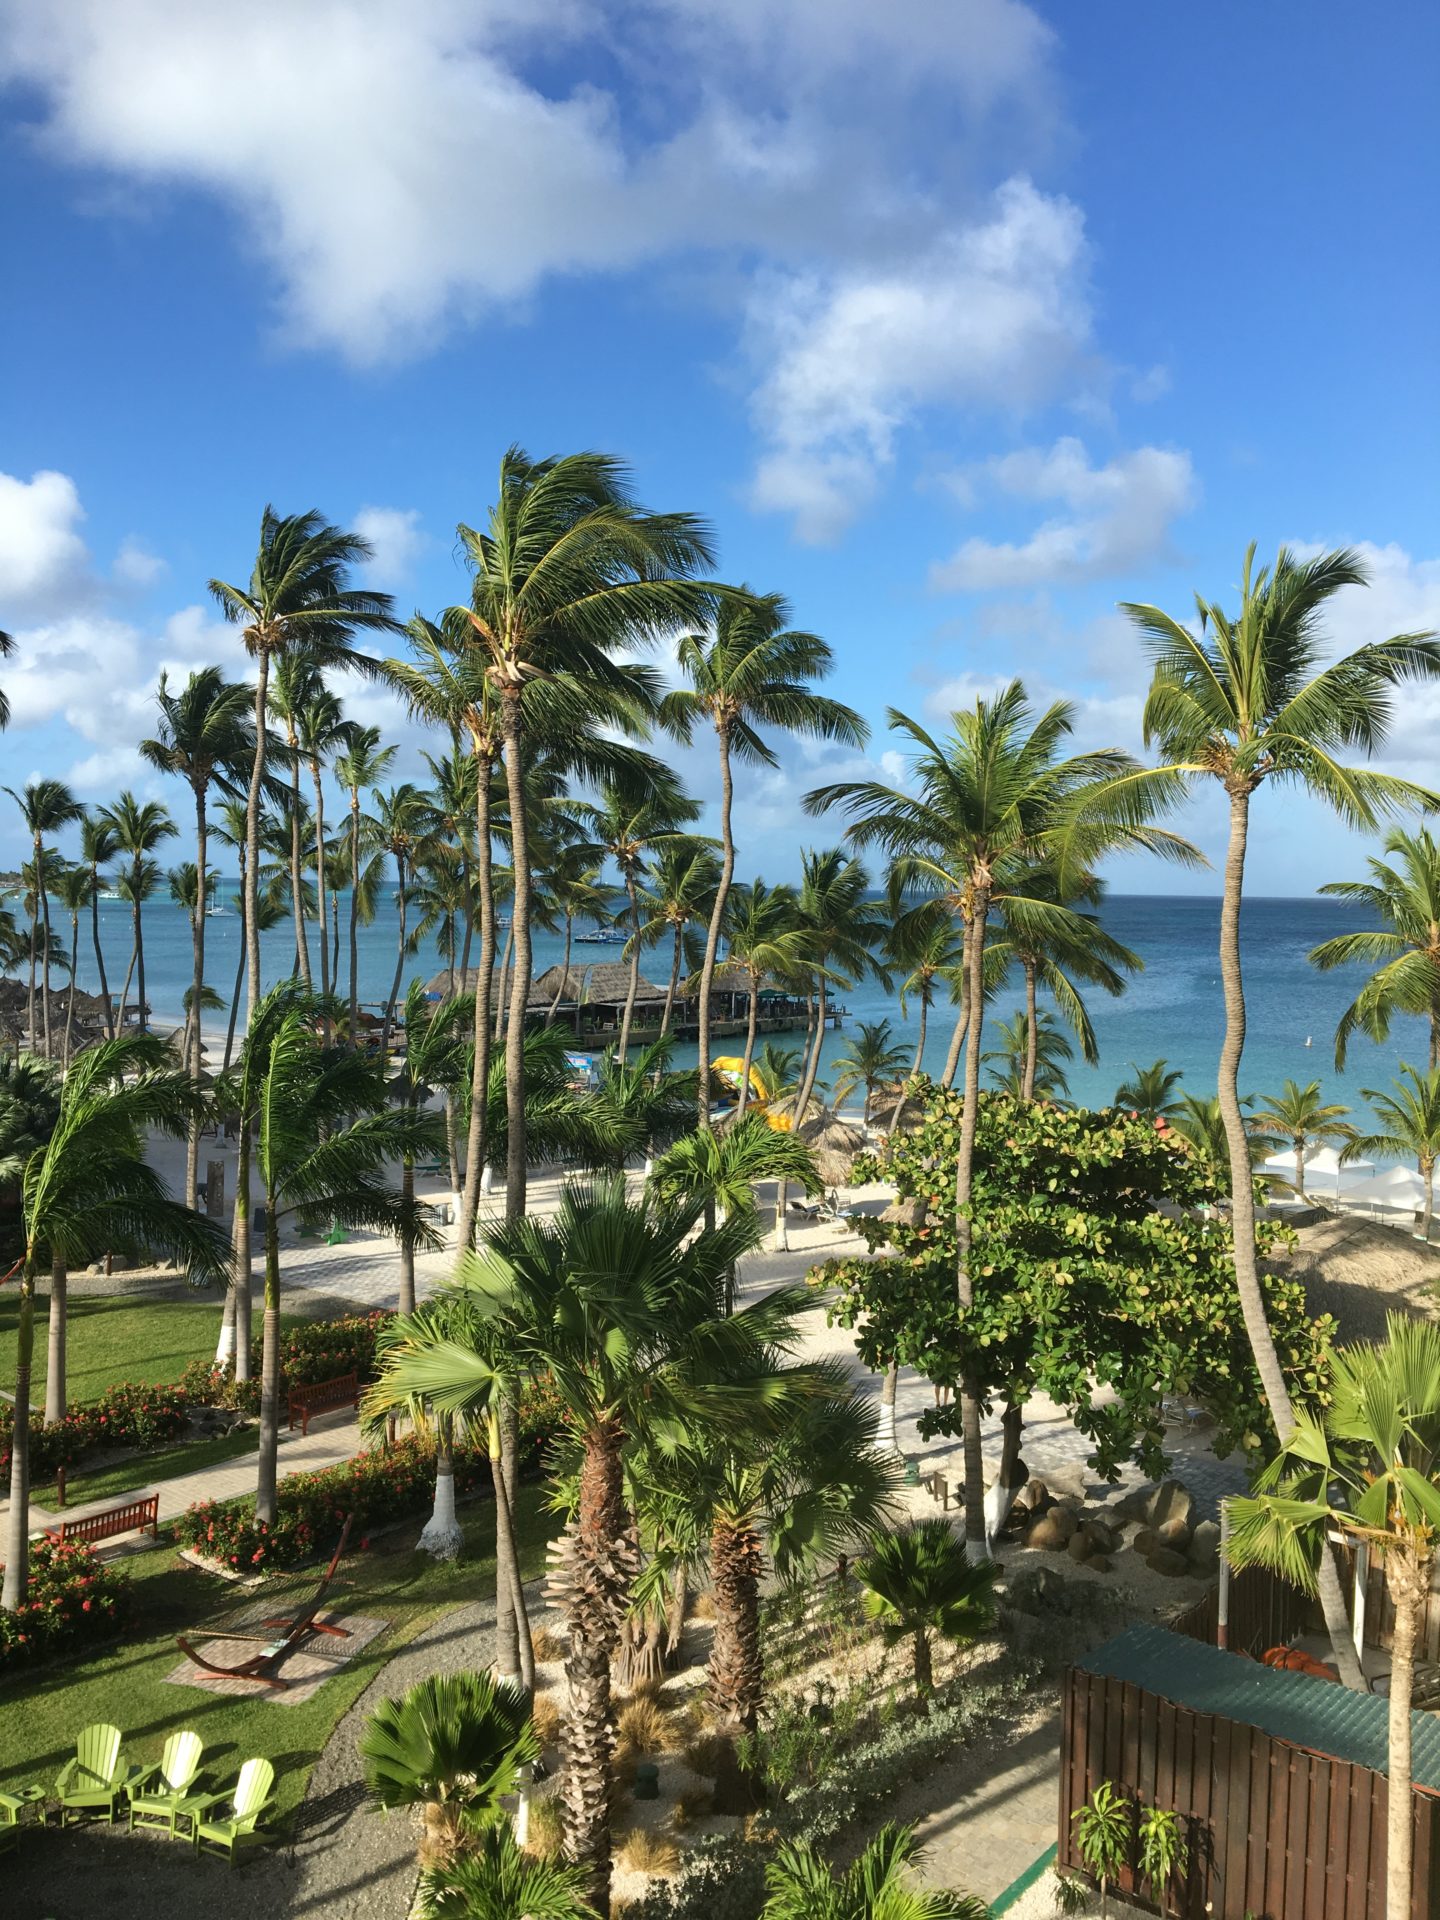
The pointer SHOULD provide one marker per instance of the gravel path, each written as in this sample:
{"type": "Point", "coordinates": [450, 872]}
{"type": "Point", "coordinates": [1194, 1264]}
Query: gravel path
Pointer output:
{"type": "Point", "coordinates": [347, 1860]}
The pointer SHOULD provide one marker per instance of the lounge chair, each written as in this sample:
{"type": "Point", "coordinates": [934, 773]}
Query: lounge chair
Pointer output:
{"type": "Point", "coordinates": [230, 1831]}
{"type": "Point", "coordinates": [12, 1806]}
{"type": "Point", "coordinates": [99, 1771]}
{"type": "Point", "coordinates": [162, 1793]}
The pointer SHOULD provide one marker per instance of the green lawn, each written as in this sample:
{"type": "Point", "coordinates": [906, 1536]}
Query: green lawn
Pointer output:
{"type": "Point", "coordinates": [42, 1709]}
{"type": "Point", "coordinates": [144, 1469]}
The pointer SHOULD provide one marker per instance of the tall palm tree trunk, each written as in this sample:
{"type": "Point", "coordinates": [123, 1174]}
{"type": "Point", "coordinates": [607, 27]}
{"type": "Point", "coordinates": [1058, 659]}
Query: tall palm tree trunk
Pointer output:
{"type": "Point", "coordinates": [44, 893]}
{"type": "Point", "coordinates": [407, 1238]}
{"type": "Point", "coordinates": [480, 1050]}
{"type": "Point", "coordinates": [674, 985]}
{"type": "Point", "coordinates": [401, 906]}
{"type": "Point", "coordinates": [31, 1034]}
{"type": "Point", "coordinates": [812, 1065]}
{"type": "Point", "coordinates": [297, 877]}
{"type": "Point", "coordinates": [235, 997]}
{"type": "Point", "coordinates": [250, 916]}
{"type": "Point", "coordinates": [520, 985]}
{"type": "Point", "coordinates": [597, 1607]}
{"type": "Point", "coordinates": [964, 1180]}
{"type": "Point", "coordinates": [752, 1026]}
{"type": "Point", "coordinates": [1032, 1033]}
{"type": "Point", "coordinates": [717, 920]}
{"type": "Point", "coordinates": [144, 1008]}
{"type": "Point", "coordinates": [564, 980]}
{"type": "Point", "coordinates": [74, 968]}
{"type": "Point", "coordinates": [192, 1137]}
{"type": "Point", "coordinates": [265, 1479]}
{"type": "Point", "coordinates": [320, 893]}
{"type": "Point", "coordinates": [354, 915]}
{"type": "Point", "coordinates": [250, 875]}
{"type": "Point", "coordinates": [1427, 1174]}
{"type": "Point", "coordinates": [1407, 1576]}
{"type": "Point", "coordinates": [632, 986]}
{"type": "Point", "coordinates": [241, 1282]}
{"type": "Point", "coordinates": [502, 998]}
{"type": "Point", "coordinates": [17, 1544]}
{"type": "Point", "coordinates": [737, 1673]}
{"type": "Point", "coordinates": [55, 1344]}
{"type": "Point", "coordinates": [130, 969]}
{"type": "Point", "coordinates": [507, 1560]}
{"type": "Point", "coordinates": [99, 950]}
{"type": "Point", "coordinates": [1242, 1215]}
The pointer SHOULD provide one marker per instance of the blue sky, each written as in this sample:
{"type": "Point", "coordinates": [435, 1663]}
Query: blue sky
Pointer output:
{"type": "Point", "coordinates": [961, 321]}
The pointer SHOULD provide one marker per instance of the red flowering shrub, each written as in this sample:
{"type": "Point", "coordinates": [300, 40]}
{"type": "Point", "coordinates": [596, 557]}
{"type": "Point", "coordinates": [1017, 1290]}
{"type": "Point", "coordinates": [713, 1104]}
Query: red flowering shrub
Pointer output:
{"type": "Point", "coordinates": [72, 1600]}
{"type": "Point", "coordinates": [313, 1351]}
{"type": "Point", "coordinates": [125, 1415]}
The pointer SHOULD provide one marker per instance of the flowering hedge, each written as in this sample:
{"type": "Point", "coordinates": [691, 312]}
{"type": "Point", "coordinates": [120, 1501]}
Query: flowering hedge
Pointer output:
{"type": "Point", "coordinates": [125, 1415]}
{"type": "Point", "coordinates": [377, 1486]}
{"type": "Point", "coordinates": [313, 1351]}
{"type": "Point", "coordinates": [72, 1599]}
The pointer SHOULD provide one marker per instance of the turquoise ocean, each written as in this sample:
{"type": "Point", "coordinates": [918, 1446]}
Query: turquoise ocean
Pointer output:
{"type": "Point", "coordinates": [1172, 1009]}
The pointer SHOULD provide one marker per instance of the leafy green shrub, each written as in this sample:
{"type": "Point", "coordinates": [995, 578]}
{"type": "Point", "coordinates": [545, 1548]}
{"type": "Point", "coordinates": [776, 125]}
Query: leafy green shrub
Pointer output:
{"type": "Point", "coordinates": [72, 1601]}
{"type": "Point", "coordinates": [125, 1415]}
{"type": "Point", "coordinates": [1103, 1829]}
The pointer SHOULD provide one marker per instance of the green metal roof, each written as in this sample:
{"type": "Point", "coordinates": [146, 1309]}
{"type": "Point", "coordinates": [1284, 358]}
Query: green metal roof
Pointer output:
{"type": "Point", "coordinates": [1310, 1713]}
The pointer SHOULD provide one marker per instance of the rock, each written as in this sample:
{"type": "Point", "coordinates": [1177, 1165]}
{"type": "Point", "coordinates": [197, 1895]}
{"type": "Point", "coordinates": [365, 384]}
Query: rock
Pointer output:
{"type": "Point", "coordinates": [1174, 1534]}
{"type": "Point", "coordinates": [1170, 1501]}
{"type": "Point", "coordinates": [1047, 1534]}
{"type": "Point", "coordinates": [1035, 1590]}
{"type": "Point", "coordinates": [1030, 1498]}
{"type": "Point", "coordinates": [1134, 1505]}
{"type": "Point", "coordinates": [1099, 1563]}
{"type": "Point", "coordinates": [1145, 1542]}
{"type": "Point", "coordinates": [1205, 1547]}
{"type": "Point", "coordinates": [1081, 1545]}
{"type": "Point", "coordinates": [1101, 1537]}
{"type": "Point", "coordinates": [1174, 1566]}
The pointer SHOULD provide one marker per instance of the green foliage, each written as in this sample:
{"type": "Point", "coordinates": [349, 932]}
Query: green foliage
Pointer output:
{"type": "Point", "coordinates": [1164, 1854]}
{"type": "Point", "coordinates": [1403, 950]}
{"type": "Point", "coordinates": [1103, 1829]}
{"type": "Point", "coordinates": [1081, 1281]}
{"type": "Point", "coordinates": [457, 1740]}
{"type": "Point", "coordinates": [802, 1887]}
{"type": "Point", "coordinates": [495, 1880]}
{"type": "Point", "coordinates": [919, 1582]}
{"type": "Point", "coordinates": [72, 1601]}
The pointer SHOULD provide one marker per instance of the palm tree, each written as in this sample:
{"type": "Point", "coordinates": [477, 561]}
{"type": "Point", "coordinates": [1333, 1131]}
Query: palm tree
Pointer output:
{"type": "Point", "coordinates": [1150, 1091]}
{"type": "Point", "coordinates": [1243, 700]}
{"type": "Point", "coordinates": [803, 1887]}
{"type": "Point", "coordinates": [679, 897]}
{"type": "Point", "coordinates": [7, 647]}
{"type": "Point", "coordinates": [1030, 1061]}
{"type": "Point", "coordinates": [206, 738]}
{"type": "Point", "coordinates": [404, 819]}
{"type": "Point", "coordinates": [364, 763]}
{"type": "Point", "coordinates": [750, 671]}
{"type": "Point", "coordinates": [990, 804]}
{"type": "Point", "coordinates": [455, 1746]}
{"type": "Point", "coordinates": [76, 890]}
{"type": "Point", "coordinates": [919, 1583]}
{"type": "Point", "coordinates": [870, 1060]}
{"type": "Point", "coordinates": [434, 1060]}
{"type": "Point", "coordinates": [577, 892]}
{"type": "Point", "coordinates": [87, 1189]}
{"type": "Point", "coordinates": [97, 845]}
{"type": "Point", "coordinates": [324, 733]}
{"type": "Point", "coordinates": [1370, 1470]}
{"type": "Point", "coordinates": [298, 600]}
{"type": "Point", "coordinates": [139, 828]}
{"type": "Point", "coordinates": [922, 947]}
{"type": "Point", "coordinates": [323, 1135]}
{"type": "Point", "coordinates": [568, 573]}
{"type": "Point", "coordinates": [1300, 1117]}
{"type": "Point", "coordinates": [45, 806]}
{"type": "Point", "coordinates": [1408, 1125]}
{"type": "Point", "coordinates": [185, 892]}
{"type": "Point", "coordinates": [1404, 895]}
{"type": "Point", "coordinates": [497, 1879]}
{"type": "Point", "coordinates": [765, 941]}
{"type": "Point", "coordinates": [621, 1302]}
{"type": "Point", "coordinates": [639, 1105]}
{"type": "Point", "coordinates": [1202, 1123]}
{"type": "Point", "coordinates": [840, 925]}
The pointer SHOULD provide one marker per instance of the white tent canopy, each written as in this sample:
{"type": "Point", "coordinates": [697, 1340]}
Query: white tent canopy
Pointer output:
{"type": "Point", "coordinates": [1323, 1170]}
{"type": "Point", "coordinates": [1400, 1188]}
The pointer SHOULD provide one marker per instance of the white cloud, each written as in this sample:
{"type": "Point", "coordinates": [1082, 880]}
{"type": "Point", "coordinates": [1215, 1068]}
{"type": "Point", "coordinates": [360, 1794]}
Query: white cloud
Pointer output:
{"type": "Point", "coordinates": [396, 539]}
{"type": "Point", "coordinates": [1119, 516]}
{"type": "Point", "coordinates": [136, 566]}
{"type": "Point", "coordinates": [994, 315]}
{"type": "Point", "coordinates": [44, 563]}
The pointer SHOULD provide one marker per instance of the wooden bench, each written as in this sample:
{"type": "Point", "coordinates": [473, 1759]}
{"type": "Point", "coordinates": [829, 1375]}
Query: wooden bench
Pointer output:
{"type": "Point", "coordinates": [129, 1517]}
{"type": "Point", "coordinates": [322, 1397]}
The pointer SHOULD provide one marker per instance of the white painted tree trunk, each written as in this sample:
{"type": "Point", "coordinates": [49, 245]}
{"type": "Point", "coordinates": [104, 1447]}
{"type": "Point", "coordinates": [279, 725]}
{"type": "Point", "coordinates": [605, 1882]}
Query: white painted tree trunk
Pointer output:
{"type": "Point", "coordinates": [225, 1346]}
{"type": "Point", "coordinates": [782, 1239]}
{"type": "Point", "coordinates": [487, 1179]}
{"type": "Point", "coordinates": [442, 1537]}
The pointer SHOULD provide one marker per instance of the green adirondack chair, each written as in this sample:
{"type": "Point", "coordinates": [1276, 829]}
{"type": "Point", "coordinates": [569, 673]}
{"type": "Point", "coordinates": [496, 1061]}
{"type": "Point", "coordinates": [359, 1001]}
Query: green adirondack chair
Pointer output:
{"type": "Point", "coordinates": [100, 1774]}
{"type": "Point", "coordinates": [161, 1794]}
{"type": "Point", "coordinates": [247, 1800]}
{"type": "Point", "coordinates": [12, 1806]}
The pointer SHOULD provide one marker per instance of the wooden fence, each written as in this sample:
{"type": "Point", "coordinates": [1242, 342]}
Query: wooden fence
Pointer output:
{"type": "Point", "coordinates": [1275, 1832]}
{"type": "Point", "coordinates": [1264, 1612]}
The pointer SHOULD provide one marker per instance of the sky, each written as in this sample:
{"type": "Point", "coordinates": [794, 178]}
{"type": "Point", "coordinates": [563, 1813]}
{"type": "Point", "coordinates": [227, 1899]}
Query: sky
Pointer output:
{"type": "Point", "coordinates": [961, 321]}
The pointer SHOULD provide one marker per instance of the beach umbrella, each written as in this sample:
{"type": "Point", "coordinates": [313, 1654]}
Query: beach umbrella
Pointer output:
{"type": "Point", "coordinates": [1323, 1169]}
{"type": "Point", "coordinates": [833, 1147]}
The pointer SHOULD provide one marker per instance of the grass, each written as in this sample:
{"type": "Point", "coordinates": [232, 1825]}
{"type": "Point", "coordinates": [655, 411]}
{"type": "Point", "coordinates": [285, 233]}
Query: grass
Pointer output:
{"type": "Point", "coordinates": [144, 1469]}
{"type": "Point", "coordinates": [43, 1708]}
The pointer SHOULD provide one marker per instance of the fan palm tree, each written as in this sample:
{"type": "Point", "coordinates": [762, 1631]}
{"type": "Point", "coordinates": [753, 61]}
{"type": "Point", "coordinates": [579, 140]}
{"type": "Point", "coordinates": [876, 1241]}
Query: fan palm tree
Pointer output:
{"type": "Point", "coordinates": [1151, 1092]}
{"type": "Point", "coordinates": [751, 670]}
{"type": "Point", "coordinates": [404, 820]}
{"type": "Point", "coordinates": [919, 1584]}
{"type": "Point", "coordinates": [679, 898]}
{"type": "Point", "coordinates": [206, 737]}
{"type": "Point", "coordinates": [1030, 1061]}
{"type": "Point", "coordinates": [988, 805]}
{"type": "Point", "coordinates": [298, 599]}
{"type": "Point", "coordinates": [84, 1191]}
{"type": "Point", "coordinates": [364, 763]}
{"type": "Point", "coordinates": [45, 806]}
{"type": "Point", "coordinates": [802, 1886]}
{"type": "Point", "coordinates": [454, 1745]}
{"type": "Point", "coordinates": [1298, 1116]}
{"type": "Point", "coordinates": [1407, 1126]}
{"type": "Point", "coordinates": [1372, 1470]}
{"type": "Point", "coordinates": [621, 1303]}
{"type": "Point", "coordinates": [139, 828]}
{"type": "Point", "coordinates": [75, 888]}
{"type": "Point", "coordinates": [97, 845]}
{"type": "Point", "coordinates": [497, 1879]}
{"type": "Point", "coordinates": [568, 573]}
{"type": "Point", "coordinates": [870, 1060]}
{"type": "Point", "coordinates": [1248, 698]}
{"type": "Point", "coordinates": [765, 941]}
{"type": "Point", "coordinates": [323, 1136]}
{"type": "Point", "coordinates": [1404, 895]}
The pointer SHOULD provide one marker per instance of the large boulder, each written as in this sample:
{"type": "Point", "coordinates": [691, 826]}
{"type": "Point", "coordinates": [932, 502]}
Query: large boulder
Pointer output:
{"type": "Point", "coordinates": [1174, 1534]}
{"type": "Point", "coordinates": [1171, 1500]}
{"type": "Point", "coordinates": [1052, 1531]}
{"type": "Point", "coordinates": [1081, 1545]}
{"type": "Point", "coordinates": [1101, 1535]}
{"type": "Point", "coordinates": [1174, 1566]}
{"type": "Point", "coordinates": [1205, 1547]}
{"type": "Point", "coordinates": [1134, 1505]}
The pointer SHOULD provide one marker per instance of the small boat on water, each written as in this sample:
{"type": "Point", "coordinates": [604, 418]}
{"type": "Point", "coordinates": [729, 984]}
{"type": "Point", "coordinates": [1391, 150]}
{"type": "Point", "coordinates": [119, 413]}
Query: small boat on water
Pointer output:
{"type": "Point", "coordinates": [601, 937]}
{"type": "Point", "coordinates": [217, 913]}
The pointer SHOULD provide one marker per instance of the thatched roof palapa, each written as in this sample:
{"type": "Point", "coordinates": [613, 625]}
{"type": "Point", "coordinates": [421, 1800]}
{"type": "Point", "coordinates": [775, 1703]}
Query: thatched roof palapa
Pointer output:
{"type": "Point", "coordinates": [833, 1147]}
{"type": "Point", "coordinates": [608, 984]}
